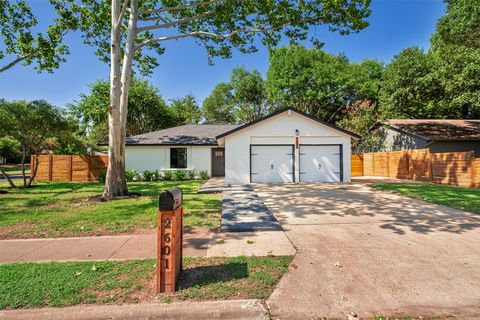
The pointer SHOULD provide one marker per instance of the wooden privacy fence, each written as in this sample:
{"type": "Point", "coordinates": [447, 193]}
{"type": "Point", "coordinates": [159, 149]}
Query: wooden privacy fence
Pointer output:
{"type": "Point", "coordinates": [455, 168]}
{"type": "Point", "coordinates": [69, 168]}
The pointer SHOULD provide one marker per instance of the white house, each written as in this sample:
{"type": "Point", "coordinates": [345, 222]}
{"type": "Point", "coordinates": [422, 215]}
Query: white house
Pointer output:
{"type": "Point", "coordinates": [285, 146]}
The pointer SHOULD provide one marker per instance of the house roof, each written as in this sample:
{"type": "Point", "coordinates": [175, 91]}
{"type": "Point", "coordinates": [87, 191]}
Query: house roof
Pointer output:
{"type": "Point", "coordinates": [238, 128]}
{"type": "Point", "coordinates": [433, 129]}
{"type": "Point", "coordinates": [190, 134]}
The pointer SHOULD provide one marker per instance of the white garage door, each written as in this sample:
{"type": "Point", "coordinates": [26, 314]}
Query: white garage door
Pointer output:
{"type": "Point", "coordinates": [271, 164]}
{"type": "Point", "coordinates": [320, 163]}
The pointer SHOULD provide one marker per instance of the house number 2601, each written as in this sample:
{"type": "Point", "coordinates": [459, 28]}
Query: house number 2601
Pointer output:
{"type": "Point", "coordinates": [166, 250]}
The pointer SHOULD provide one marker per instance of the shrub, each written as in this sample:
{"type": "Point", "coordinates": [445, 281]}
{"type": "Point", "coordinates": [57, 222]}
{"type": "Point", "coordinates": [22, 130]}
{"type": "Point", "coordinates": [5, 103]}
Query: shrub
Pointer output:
{"type": "Point", "coordinates": [147, 175]}
{"type": "Point", "coordinates": [130, 175]}
{"type": "Point", "coordinates": [156, 175]}
{"type": "Point", "coordinates": [167, 175]}
{"type": "Point", "coordinates": [180, 174]}
{"type": "Point", "coordinates": [204, 175]}
{"type": "Point", "coordinates": [190, 174]}
{"type": "Point", "coordinates": [102, 175]}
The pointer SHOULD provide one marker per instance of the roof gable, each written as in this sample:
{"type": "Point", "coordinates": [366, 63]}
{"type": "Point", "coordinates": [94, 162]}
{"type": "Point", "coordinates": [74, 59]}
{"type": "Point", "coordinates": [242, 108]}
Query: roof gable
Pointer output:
{"type": "Point", "coordinates": [306, 115]}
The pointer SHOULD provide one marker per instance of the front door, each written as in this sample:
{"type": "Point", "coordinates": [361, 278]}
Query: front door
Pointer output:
{"type": "Point", "coordinates": [218, 162]}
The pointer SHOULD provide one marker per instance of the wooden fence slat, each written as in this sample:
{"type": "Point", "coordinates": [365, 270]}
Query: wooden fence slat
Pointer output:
{"type": "Point", "coordinates": [69, 168]}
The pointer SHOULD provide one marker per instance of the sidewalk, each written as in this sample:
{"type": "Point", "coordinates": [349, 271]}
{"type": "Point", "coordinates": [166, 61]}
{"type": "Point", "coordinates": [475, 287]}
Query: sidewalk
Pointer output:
{"type": "Point", "coordinates": [198, 242]}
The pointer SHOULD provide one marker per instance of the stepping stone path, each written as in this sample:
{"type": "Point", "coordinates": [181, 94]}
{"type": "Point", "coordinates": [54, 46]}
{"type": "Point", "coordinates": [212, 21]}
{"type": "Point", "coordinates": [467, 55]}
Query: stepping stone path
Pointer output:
{"type": "Point", "coordinates": [243, 210]}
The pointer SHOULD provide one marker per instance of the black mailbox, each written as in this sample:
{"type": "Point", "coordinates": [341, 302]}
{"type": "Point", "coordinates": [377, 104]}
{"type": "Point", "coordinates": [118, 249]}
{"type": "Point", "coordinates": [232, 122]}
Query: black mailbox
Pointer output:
{"type": "Point", "coordinates": [170, 199]}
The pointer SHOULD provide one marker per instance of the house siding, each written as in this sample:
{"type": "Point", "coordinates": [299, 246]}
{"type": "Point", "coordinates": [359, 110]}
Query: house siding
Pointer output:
{"type": "Point", "coordinates": [142, 158]}
{"type": "Point", "coordinates": [455, 146]}
{"type": "Point", "coordinates": [280, 129]}
{"type": "Point", "coordinates": [391, 140]}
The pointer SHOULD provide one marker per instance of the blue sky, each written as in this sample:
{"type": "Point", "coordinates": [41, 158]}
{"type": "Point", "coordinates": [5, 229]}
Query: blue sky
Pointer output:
{"type": "Point", "coordinates": [394, 25]}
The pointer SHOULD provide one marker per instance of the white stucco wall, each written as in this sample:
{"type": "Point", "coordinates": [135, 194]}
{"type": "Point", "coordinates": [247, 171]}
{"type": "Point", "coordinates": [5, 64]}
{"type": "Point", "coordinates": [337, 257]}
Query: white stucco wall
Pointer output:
{"type": "Point", "coordinates": [279, 129]}
{"type": "Point", "coordinates": [158, 157]}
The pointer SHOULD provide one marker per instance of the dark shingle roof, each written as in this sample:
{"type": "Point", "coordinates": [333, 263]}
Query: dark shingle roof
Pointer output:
{"type": "Point", "coordinates": [439, 129]}
{"type": "Point", "coordinates": [190, 134]}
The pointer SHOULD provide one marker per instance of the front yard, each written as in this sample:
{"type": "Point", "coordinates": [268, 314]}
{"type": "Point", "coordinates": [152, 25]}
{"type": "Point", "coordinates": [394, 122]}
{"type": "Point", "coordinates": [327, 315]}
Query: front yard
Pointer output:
{"type": "Point", "coordinates": [467, 199]}
{"type": "Point", "coordinates": [59, 209]}
{"type": "Point", "coordinates": [30, 285]}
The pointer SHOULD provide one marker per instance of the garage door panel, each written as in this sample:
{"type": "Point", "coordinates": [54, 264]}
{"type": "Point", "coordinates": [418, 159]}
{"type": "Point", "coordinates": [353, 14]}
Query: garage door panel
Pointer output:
{"type": "Point", "coordinates": [271, 164]}
{"type": "Point", "coordinates": [320, 163]}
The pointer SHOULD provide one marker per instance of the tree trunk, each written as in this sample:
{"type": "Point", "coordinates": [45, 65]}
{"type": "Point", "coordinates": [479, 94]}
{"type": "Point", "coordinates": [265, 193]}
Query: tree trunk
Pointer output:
{"type": "Point", "coordinates": [10, 182]}
{"type": "Point", "coordinates": [23, 167]}
{"type": "Point", "coordinates": [115, 184]}
{"type": "Point", "coordinates": [35, 169]}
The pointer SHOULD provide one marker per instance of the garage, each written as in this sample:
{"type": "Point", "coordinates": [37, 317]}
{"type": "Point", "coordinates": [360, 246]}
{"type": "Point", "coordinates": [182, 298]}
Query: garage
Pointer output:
{"type": "Point", "coordinates": [320, 163]}
{"type": "Point", "coordinates": [272, 163]}
{"type": "Point", "coordinates": [287, 146]}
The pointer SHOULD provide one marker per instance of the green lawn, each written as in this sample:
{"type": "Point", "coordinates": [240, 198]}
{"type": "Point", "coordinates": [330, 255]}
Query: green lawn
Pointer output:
{"type": "Point", "coordinates": [467, 199]}
{"type": "Point", "coordinates": [15, 169]}
{"type": "Point", "coordinates": [59, 209]}
{"type": "Point", "coordinates": [30, 285]}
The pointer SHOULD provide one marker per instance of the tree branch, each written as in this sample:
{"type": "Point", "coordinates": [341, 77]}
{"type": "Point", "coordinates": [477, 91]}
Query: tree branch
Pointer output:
{"type": "Point", "coordinates": [181, 7]}
{"type": "Point", "coordinates": [18, 60]}
{"type": "Point", "coordinates": [173, 23]}
{"type": "Point", "coordinates": [221, 36]}
{"type": "Point", "coordinates": [122, 14]}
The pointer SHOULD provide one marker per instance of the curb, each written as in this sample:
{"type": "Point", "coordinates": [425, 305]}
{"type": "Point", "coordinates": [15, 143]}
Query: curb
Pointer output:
{"type": "Point", "coordinates": [229, 309]}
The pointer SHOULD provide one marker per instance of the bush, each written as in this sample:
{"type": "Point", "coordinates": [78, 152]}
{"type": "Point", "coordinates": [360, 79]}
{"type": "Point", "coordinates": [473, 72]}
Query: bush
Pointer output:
{"type": "Point", "coordinates": [190, 174]}
{"type": "Point", "coordinates": [156, 175]}
{"type": "Point", "coordinates": [180, 174]}
{"type": "Point", "coordinates": [102, 175]}
{"type": "Point", "coordinates": [148, 175]}
{"type": "Point", "coordinates": [204, 175]}
{"type": "Point", "coordinates": [168, 175]}
{"type": "Point", "coordinates": [130, 175]}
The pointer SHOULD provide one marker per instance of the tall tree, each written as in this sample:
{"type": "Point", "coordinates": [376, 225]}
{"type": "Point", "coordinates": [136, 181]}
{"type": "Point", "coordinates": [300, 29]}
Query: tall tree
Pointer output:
{"type": "Point", "coordinates": [248, 94]}
{"type": "Point", "coordinates": [148, 111]}
{"type": "Point", "coordinates": [22, 42]}
{"type": "Point", "coordinates": [219, 25]}
{"type": "Point", "coordinates": [186, 110]}
{"type": "Point", "coordinates": [218, 107]}
{"type": "Point", "coordinates": [35, 125]}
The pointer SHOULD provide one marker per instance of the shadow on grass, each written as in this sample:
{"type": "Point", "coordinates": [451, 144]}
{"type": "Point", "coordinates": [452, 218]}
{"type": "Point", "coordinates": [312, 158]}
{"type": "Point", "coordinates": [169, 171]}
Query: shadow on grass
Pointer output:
{"type": "Point", "coordinates": [204, 275]}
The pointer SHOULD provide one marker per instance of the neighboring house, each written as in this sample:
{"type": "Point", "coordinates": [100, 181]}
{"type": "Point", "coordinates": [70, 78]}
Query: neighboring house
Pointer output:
{"type": "Point", "coordinates": [436, 135]}
{"type": "Point", "coordinates": [285, 146]}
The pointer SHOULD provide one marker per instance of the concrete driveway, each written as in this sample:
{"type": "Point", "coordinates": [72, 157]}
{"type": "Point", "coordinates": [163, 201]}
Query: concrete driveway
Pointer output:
{"type": "Point", "coordinates": [371, 252]}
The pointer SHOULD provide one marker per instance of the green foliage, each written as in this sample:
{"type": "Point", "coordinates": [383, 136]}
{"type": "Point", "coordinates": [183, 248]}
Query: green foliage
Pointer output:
{"type": "Point", "coordinates": [147, 111]}
{"type": "Point", "coordinates": [218, 107]}
{"type": "Point", "coordinates": [228, 18]}
{"type": "Point", "coordinates": [319, 83]}
{"type": "Point", "coordinates": [168, 175]}
{"type": "Point", "coordinates": [186, 110]}
{"type": "Point", "coordinates": [151, 175]}
{"type": "Point", "coordinates": [101, 176]}
{"type": "Point", "coordinates": [180, 174]}
{"type": "Point", "coordinates": [9, 147]}
{"type": "Point", "coordinates": [22, 43]}
{"type": "Point", "coordinates": [204, 175]}
{"type": "Point", "coordinates": [190, 174]}
{"type": "Point", "coordinates": [130, 175]}
{"type": "Point", "coordinates": [241, 100]}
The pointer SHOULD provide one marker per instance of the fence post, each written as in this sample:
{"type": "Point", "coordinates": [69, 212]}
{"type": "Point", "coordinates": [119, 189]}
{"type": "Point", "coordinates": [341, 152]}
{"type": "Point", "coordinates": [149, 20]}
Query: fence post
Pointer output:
{"type": "Point", "coordinates": [70, 168]}
{"type": "Point", "coordinates": [32, 164]}
{"type": "Point", "coordinates": [472, 168]}
{"type": "Point", "coordinates": [50, 167]}
{"type": "Point", "coordinates": [388, 164]}
{"type": "Point", "coordinates": [430, 173]}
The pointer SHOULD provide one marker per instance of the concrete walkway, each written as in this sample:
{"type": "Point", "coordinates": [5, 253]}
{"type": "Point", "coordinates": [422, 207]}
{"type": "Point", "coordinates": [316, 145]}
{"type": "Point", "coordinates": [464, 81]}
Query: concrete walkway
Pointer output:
{"type": "Point", "coordinates": [198, 242]}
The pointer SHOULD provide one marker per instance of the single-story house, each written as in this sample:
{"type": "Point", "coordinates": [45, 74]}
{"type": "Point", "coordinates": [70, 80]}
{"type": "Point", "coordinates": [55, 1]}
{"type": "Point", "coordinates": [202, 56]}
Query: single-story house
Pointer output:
{"type": "Point", "coordinates": [436, 135]}
{"type": "Point", "coordinates": [285, 146]}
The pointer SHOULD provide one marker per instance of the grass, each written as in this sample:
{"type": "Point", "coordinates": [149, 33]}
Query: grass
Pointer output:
{"type": "Point", "coordinates": [59, 209]}
{"type": "Point", "coordinates": [31, 285]}
{"type": "Point", "coordinates": [467, 199]}
{"type": "Point", "coordinates": [15, 169]}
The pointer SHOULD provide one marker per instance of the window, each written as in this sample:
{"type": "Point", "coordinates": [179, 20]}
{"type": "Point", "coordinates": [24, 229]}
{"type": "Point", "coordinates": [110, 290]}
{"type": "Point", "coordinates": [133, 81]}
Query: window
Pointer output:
{"type": "Point", "coordinates": [178, 158]}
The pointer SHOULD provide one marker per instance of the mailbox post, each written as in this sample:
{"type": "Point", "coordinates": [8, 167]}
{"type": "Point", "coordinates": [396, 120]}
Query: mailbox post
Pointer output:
{"type": "Point", "coordinates": [169, 239]}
